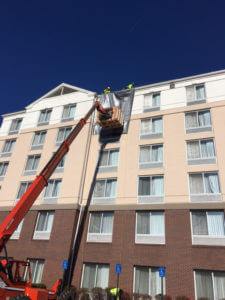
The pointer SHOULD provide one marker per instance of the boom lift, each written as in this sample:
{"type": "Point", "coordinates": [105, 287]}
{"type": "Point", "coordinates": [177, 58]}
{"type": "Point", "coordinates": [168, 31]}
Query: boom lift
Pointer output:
{"type": "Point", "coordinates": [11, 284]}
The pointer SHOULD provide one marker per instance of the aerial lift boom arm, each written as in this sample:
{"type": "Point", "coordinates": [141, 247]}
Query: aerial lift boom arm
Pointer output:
{"type": "Point", "coordinates": [21, 208]}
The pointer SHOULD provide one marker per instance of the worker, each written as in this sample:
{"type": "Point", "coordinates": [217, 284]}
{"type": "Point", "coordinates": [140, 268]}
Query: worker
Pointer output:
{"type": "Point", "coordinates": [107, 90]}
{"type": "Point", "coordinates": [130, 86]}
{"type": "Point", "coordinates": [115, 294]}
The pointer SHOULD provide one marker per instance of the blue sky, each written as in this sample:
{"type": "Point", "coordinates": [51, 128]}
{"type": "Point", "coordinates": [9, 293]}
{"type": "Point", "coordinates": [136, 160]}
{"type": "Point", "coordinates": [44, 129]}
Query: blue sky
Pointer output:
{"type": "Point", "coordinates": [92, 44]}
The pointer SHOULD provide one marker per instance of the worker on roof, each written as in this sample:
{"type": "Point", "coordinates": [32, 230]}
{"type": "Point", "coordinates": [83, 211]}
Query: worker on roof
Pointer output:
{"type": "Point", "coordinates": [107, 90]}
{"type": "Point", "coordinates": [130, 86]}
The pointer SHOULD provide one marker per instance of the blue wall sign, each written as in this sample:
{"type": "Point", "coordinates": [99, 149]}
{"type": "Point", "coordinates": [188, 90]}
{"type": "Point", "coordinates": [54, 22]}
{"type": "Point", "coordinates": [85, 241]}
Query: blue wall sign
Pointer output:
{"type": "Point", "coordinates": [65, 265]}
{"type": "Point", "coordinates": [118, 269]}
{"type": "Point", "coordinates": [161, 272]}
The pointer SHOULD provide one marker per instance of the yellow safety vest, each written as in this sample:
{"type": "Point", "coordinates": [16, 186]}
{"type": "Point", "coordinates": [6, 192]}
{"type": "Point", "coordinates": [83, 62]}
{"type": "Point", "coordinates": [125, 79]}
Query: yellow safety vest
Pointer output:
{"type": "Point", "coordinates": [129, 86]}
{"type": "Point", "coordinates": [114, 291]}
{"type": "Point", "coordinates": [106, 91]}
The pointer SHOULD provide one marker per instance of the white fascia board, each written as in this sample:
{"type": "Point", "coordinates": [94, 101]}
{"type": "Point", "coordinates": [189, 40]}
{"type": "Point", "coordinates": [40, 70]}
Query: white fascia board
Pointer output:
{"type": "Point", "coordinates": [14, 113]}
{"type": "Point", "coordinates": [75, 88]}
{"type": "Point", "coordinates": [180, 80]}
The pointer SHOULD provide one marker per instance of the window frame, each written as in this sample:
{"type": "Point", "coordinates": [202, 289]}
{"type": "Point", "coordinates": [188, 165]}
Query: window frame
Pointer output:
{"type": "Point", "coordinates": [207, 240]}
{"type": "Point", "coordinates": [12, 145]}
{"type": "Point", "coordinates": [52, 199]}
{"type": "Point", "coordinates": [149, 270]}
{"type": "Point", "coordinates": [151, 134]}
{"type": "Point", "coordinates": [204, 184]}
{"type": "Point", "coordinates": [57, 143]}
{"type": "Point", "coordinates": [45, 122]}
{"type": "Point", "coordinates": [17, 128]}
{"type": "Point", "coordinates": [3, 167]}
{"type": "Point", "coordinates": [195, 86]}
{"type": "Point", "coordinates": [38, 146]}
{"type": "Point", "coordinates": [149, 108]}
{"type": "Point", "coordinates": [32, 171]}
{"type": "Point", "coordinates": [43, 234]}
{"type": "Point", "coordinates": [201, 159]}
{"type": "Point", "coordinates": [96, 271]}
{"type": "Point", "coordinates": [36, 263]}
{"type": "Point", "coordinates": [159, 198]}
{"type": "Point", "coordinates": [141, 238]}
{"type": "Point", "coordinates": [99, 236]}
{"type": "Point", "coordinates": [150, 164]}
{"type": "Point", "coordinates": [68, 118]}
{"type": "Point", "coordinates": [28, 183]}
{"type": "Point", "coordinates": [212, 277]}
{"type": "Point", "coordinates": [198, 128]}
{"type": "Point", "coordinates": [105, 199]}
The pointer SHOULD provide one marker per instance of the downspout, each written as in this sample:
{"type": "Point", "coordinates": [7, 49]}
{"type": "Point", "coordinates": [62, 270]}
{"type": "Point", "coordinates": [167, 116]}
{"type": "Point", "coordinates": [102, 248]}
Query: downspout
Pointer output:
{"type": "Point", "coordinates": [81, 196]}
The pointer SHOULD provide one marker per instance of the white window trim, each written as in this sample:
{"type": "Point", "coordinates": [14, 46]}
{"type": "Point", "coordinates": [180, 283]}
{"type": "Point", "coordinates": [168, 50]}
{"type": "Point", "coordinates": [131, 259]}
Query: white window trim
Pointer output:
{"type": "Point", "coordinates": [45, 111]}
{"type": "Point", "coordinates": [16, 130]}
{"type": "Point", "coordinates": [149, 283]}
{"type": "Point", "coordinates": [27, 184]}
{"type": "Point", "coordinates": [34, 157]}
{"type": "Point", "coordinates": [152, 118]}
{"type": "Point", "coordinates": [106, 179]}
{"type": "Point", "coordinates": [213, 282]}
{"type": "Point", "coordinates": [99, 237]}
{"type": "Point", "coordinates": [108, 154]}
{"type": "Point", "coordinates": [195, 87]}
{"type": "Point", "coordinates": [9, 152]}
{"type": "Point", "coordinates": [96, 271]}
{"type": "Point", "coordinates": [70, 105]}
{"type": "Point", "coordinates": [158, 175]}
{"type": "Point", "coordinates": [42, 234]}
{"type": "Point", "coordinates": [4, 163]}
{"type": "Point", "coordinates": [150, 162]}
{"type": "Point", "coordinates": [64, 134]}
{"type": "Point", "coordinates": [36, 132]}
{"type": "Point", "coordinates": [151, 94]}
{"type": "Point", "coordinates": [37, 259]}
{"type": "Point", "coordinates": [197, 112]}
{"type": "Point", "coordinates": [150, 236]}
{"type": "Point", "coordinates": [212, 237]}
{"type": "Point", "coordinates": [52, 197]}
{"type": "Point", "coordinates": [204, 194]}
{"type": "Point", "coordinates": [202, 158]}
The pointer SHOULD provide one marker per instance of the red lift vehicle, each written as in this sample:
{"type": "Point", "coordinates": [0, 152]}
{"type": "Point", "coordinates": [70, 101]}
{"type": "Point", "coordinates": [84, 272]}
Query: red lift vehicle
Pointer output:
{"type": "Point", "coordinates": [12, 285]}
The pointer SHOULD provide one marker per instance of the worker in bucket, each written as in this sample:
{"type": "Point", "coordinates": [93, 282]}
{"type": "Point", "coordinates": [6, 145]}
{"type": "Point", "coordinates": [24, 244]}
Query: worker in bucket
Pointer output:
{"type": "Point", "coordinates": [107, 90]}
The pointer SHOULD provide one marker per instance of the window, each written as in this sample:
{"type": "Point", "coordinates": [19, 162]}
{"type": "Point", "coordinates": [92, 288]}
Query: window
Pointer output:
{"type": "Point", "coordinates": [150, 188]}
{"type": "Point", "coordinates": [100, 227]}
{"type": "Point", "coordinates": [150, 227]}
{"type": "Point", "coordinates": [32, 164]}
{"type": "Point", "coordinates": [147, 281]}
{"type": "Point", "coordinates": [44, 225]}
{"type": "Point", "coordinates": [63, 134]}
{"type": "Point", "coordinates": [151, 102]}
{"type": "Point", "coordinates": [15, 126]}
{"type": "Point", "coordinates": [151, 156]}
{"type": "Point", "coordinates": [3, 168]}
{"type": "Point", "coordinates": [36, 267]}
{"type": "Point", "coordinates": [38, 140]}
{"type": "Point", "coordinates": [104, 188]}
{"type": "Point", "coordinates": [95, 275]}
{"type": "Point", "coordinates": [61, 164]}
{"type": "Point", "coordinates": [109, 160]}
{"type": "Point", "coordinates": [22, 189]}
{"type": "Point", "coordinates": [16, 233]}
{"type": "Point", "coordinates": [151, 128]}
{"type": "Point", "coordinates": [68, 112]}
{"type": "Point", "coordinates": [198, 121]}
{"type": "Point", "coordinates": [206, 185]}
{"type": "Point", "coordinates": [209, 285]}
{"type": "Point", "coordinates": [195, 93]}
{"type": "Point", "coordinates": [208, 223]}
{"type": "Point", "coordinates": [52, 191]}
{"type": "Point", "coordinates": [44, 117]}
{"type": "Point", "coordinates": [201, 151]}
{"type": "Point", "coordinates": [8, 147]}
